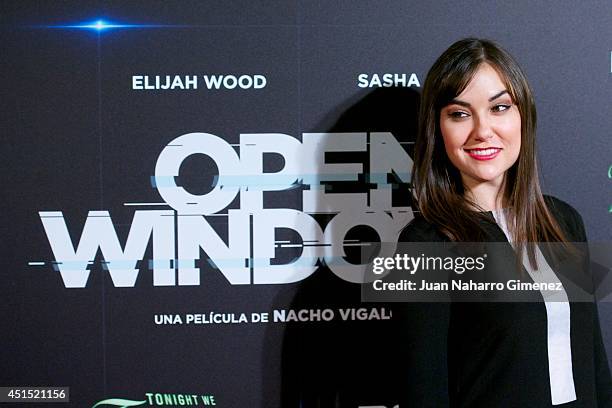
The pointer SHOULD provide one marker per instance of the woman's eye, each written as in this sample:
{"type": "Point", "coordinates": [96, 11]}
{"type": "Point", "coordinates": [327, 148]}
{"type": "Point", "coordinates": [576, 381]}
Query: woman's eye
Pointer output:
{"type": "Point", "coordinates": [457, 114]}
{"type": "Point", "coordinates": [500, 107]}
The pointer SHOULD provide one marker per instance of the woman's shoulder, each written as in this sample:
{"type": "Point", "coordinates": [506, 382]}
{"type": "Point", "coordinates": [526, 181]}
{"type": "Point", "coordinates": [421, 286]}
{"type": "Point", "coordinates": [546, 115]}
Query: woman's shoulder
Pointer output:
{"type": "Point", "coordinates": [420, 230]}
{"type": "Point", "coordinates": [570, 221]}
{"type": "Point", "coordinates": [568, 218]}
{"type": "Point", "coordinates": [559, 207]}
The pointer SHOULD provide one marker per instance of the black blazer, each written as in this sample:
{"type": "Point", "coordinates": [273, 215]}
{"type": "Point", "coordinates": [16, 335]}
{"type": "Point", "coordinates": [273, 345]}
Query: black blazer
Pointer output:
{"type": "Point", "coordinates": [495, 354]}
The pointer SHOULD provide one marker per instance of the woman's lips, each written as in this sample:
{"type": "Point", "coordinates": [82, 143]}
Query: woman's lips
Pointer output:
{"type": "Point", "coordinates": [483, 154]}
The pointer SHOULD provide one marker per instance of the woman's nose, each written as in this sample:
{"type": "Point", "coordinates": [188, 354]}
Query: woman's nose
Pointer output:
{"type": "Point", "coordinates": [482, 128]}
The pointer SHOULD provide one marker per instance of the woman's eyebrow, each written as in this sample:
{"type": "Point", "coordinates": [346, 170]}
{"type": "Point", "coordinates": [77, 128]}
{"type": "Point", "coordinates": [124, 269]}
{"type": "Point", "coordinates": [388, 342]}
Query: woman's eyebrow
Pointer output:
{"type": "Point", "coordinates": [466, 104]}
{"type": "Point", "coordinates": [497, 95]}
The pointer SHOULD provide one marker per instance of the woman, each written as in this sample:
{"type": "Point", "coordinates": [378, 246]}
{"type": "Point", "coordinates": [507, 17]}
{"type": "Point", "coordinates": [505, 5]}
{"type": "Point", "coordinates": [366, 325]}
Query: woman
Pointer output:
{"type": "Point", "coordinates": [475, 179]}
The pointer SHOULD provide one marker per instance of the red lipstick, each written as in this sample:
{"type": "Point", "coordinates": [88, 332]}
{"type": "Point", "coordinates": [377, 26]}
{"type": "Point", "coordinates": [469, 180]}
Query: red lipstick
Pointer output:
{"type": "Point", "coordinates": [488, 153]}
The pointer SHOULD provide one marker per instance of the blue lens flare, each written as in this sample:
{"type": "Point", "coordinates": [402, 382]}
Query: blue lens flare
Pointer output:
{"type": "Point", "coordinates": [100, 25]}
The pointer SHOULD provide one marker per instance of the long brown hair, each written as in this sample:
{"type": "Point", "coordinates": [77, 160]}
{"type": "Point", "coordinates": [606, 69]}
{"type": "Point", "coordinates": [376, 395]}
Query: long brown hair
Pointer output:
{"type": "Point", "coordinates": [437, 184]}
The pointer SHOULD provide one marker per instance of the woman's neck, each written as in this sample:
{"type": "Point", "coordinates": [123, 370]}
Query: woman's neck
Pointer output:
{"type": "Point", "coordinates": [486, 195]}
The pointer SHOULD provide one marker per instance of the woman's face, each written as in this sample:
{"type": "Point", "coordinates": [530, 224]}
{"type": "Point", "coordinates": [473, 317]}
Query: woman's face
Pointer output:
{"type": "Point", "coordinates": [481, 129]}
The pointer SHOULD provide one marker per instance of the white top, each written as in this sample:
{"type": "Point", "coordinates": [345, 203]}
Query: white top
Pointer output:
{"type": "Point", "coordinates": [562, 389]}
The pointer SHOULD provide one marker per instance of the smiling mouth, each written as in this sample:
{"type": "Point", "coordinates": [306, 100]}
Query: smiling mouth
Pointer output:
{"type": "Point", "coordinates": [483, 154]}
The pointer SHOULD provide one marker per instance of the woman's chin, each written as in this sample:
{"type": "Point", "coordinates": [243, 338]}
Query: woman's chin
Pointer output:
{"type": "Point", "coordinates": [493, 177]}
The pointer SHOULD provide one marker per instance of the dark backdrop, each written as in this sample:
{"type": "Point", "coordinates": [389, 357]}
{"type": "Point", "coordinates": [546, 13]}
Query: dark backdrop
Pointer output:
{"type": "Point", "coordinates": [77, 138]}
